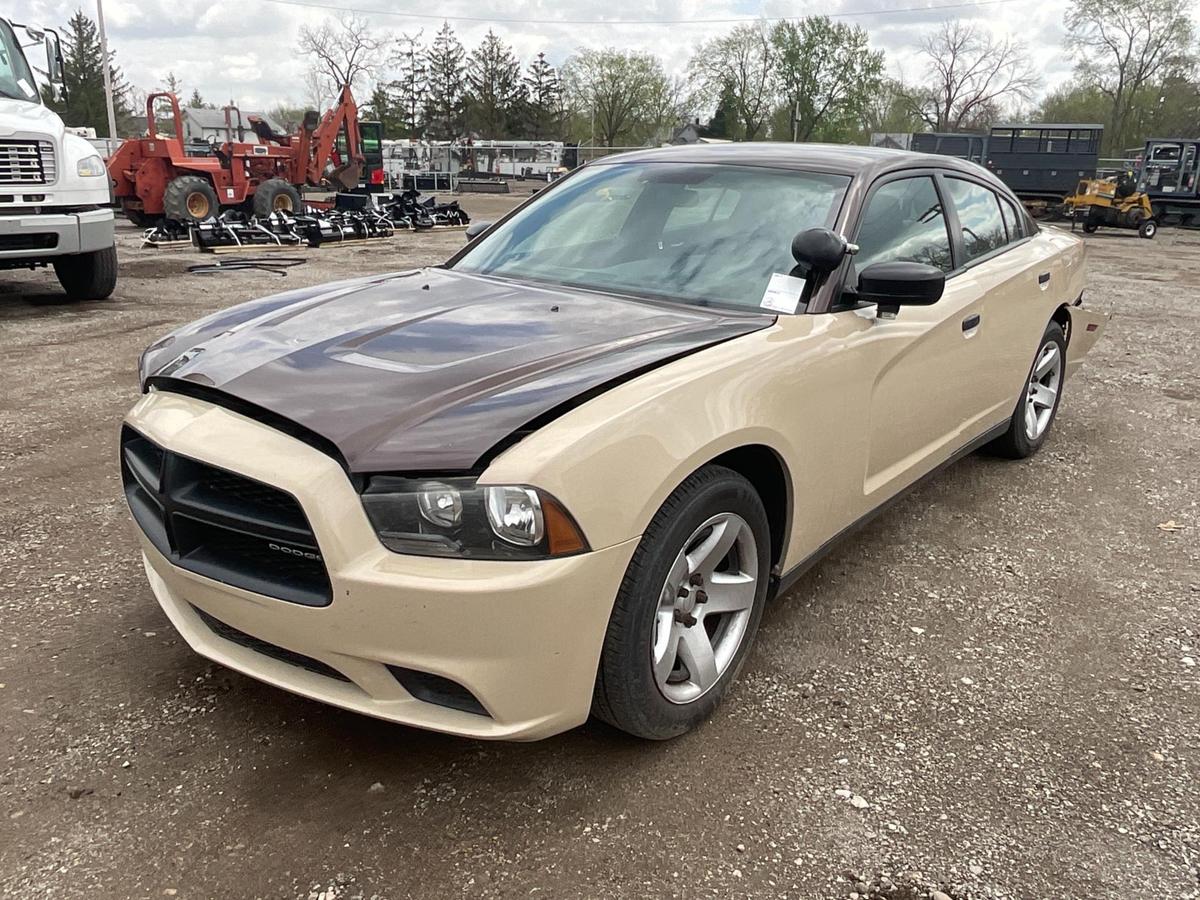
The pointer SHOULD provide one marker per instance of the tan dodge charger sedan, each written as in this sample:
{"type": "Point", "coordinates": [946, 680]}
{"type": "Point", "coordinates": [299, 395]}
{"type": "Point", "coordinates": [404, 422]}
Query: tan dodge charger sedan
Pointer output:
{"type": "Point", "coordinates": [562, 473]}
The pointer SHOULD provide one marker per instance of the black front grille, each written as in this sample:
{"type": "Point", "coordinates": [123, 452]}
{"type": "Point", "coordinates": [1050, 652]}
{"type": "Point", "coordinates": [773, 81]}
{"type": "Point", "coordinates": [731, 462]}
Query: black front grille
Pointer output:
{"type": "Point", "coordinates": [223, 525]}
{"type": "Point", "coordinates": [258, 645]}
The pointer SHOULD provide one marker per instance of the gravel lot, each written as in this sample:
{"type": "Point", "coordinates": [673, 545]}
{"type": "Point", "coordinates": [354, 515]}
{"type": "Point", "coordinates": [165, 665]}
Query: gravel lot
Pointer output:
{"type": "Point", "coordinates": [992, 691]}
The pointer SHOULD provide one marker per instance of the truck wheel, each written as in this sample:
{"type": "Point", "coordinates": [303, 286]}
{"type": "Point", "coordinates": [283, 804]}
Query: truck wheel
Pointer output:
{"type": "Point", "coordinates": [1148, 229]}
{"type": "Point", "coordinates": [275, 195]}
{"type": "Point", "coordinates": [88, 276]}
{"type": "Point", "coordinates": [1090, 227]}
{"type": "Point", "coordinates": [189, 199]}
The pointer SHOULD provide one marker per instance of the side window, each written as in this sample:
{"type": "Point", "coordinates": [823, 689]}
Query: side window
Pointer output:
{"type": "Point", "coordinates": [904, 222]}
{"type": "Point", "coordinates": [1012, 220]}
{"type": "Point", "coordinates": [979, 217]}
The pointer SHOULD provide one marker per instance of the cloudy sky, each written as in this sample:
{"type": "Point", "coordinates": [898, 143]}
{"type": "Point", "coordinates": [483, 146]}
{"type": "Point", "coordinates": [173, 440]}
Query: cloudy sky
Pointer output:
{"type": "Point", "coordinates": [244, 49]}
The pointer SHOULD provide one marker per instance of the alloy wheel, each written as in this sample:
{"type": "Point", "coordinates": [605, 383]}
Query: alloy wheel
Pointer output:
{"type": "Point", "coordinates": [704, 608]}
{"type": "Point", "coordinates": [1044, 383]}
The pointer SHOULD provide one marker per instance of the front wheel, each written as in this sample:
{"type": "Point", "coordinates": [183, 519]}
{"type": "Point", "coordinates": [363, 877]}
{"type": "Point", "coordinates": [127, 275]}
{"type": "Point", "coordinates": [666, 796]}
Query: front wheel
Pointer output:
{"type": "Point", "coordinates": [1148, 229]}
{"type": "Point", "coordinates": [1031, 420]}
{"type": "Point", "coordinates": [88, 276]}
{"type": "Point", "coordinates": [688, 608]}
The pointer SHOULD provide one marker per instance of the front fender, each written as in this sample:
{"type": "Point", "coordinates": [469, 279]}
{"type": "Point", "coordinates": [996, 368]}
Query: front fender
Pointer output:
{"type": "Point", "coordinates": [614, 460]}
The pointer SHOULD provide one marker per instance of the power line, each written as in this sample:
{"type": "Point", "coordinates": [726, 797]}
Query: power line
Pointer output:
{"type": "Point", "coordinates": [335, 7]}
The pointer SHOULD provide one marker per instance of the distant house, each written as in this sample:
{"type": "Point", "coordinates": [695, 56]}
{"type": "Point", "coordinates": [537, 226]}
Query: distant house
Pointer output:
{"type": "Point", "coordinates": [209, 125]}
{"type": "Point", "coordinates": [893, 140]}
{"type": "Point", "coordinates": [693, 133]}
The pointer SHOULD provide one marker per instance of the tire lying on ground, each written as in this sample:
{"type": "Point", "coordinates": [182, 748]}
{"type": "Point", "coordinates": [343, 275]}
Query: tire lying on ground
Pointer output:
{"type": "Point", "coordinates": [276, 195]}
{"type": "Point", "coordinates": [88, 276]}
{"type": "Point", "coordinates": [190, 198]}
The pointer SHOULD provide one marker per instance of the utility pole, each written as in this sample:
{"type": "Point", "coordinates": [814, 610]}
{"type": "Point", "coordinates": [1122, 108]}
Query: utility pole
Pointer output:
{"type": "Point", "coordinates": [108, 88]}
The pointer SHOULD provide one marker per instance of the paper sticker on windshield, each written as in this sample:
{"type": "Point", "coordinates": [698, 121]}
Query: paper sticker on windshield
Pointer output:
{"type": "Point", "coordinates": [24, 85]}
{"type": "Point", "coordinates": [782, 294]}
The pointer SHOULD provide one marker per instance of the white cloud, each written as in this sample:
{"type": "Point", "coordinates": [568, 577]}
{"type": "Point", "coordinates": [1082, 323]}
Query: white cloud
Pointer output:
{"type": "Point", "coordinates": [245, 49]}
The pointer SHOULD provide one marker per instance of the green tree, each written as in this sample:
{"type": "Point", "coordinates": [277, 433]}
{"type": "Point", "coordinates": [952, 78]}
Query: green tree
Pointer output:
{"type": "Point", "coordinates": [495, 92]}
{"type": "Point", "coordinates": [826, 76]}
{"type": "Point", "coordinates": [738, 70]}
{"type": "Point", "coordinates": [723, 123]}
{"type": "Point", "coordinates": [446, 85]}
{"type": "Point", "coordinates": [616, 95]}
{"type": "Point", "coordinates": [1122, 48]}
{"type": "Point", "coordinates": [889, 111]}
{"type": "Point", "coordinates": [84, 105]}
{"type": "Point", "coordinates": [173, 84]}
{"type": "Point", "coordinates": [381, 107]}
{"type": "Point", "coordinates": [411, 84]}
{"type": "Point", "coordinates": [543, 107]}
{"type": "Point", "coordinates": [196, 101]}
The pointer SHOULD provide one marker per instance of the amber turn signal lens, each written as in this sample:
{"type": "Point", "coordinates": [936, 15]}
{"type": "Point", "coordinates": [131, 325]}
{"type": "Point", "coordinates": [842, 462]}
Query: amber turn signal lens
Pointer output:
{"type": "Point", "coordinates": [562, 534]}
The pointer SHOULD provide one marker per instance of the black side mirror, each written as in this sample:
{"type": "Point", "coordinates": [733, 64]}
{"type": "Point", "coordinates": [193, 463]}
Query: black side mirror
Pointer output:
{"type": "Point", "coordinates": [896, 284]}
{"type": "Point", "coordinates": [820, 249]}
{"type": "Point", "coordinates": [475, 229]}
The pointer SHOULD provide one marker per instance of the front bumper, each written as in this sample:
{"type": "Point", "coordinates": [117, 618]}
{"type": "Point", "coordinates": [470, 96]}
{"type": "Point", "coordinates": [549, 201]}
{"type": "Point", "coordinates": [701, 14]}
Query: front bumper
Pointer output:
{"type": "Point", "coordinates": [523, 638]}
{"type": "Point", "coordinates": [50, 234]}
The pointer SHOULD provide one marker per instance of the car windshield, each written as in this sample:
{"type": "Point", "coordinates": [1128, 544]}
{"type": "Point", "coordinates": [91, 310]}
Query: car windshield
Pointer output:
{"type": "Point", "coordinates": [698, 233]}
{"type": "Point", "coordinates": [16, 81]}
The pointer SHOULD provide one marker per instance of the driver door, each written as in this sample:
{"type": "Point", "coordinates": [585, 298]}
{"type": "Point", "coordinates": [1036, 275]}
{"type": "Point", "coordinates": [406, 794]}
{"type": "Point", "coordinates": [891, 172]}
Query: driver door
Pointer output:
{"type": "Point", "coordinates": [920, 368]}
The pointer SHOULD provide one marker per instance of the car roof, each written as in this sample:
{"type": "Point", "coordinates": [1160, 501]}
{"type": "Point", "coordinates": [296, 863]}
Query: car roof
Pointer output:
{"type": "Point", "coordinates": [844, 159]}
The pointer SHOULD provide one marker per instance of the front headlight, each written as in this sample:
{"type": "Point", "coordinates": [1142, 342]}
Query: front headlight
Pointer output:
{"type": "Point", "coordinates": [457, 517]}
{"type": "Point", "coordinates": [91, 167]}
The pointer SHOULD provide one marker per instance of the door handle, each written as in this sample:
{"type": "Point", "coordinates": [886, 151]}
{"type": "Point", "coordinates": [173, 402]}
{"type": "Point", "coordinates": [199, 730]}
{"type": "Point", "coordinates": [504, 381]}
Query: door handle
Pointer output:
{"type": "Point", "coordinates": [971, 322]}
{"type": "Point", "coordinates": [1044, 280]}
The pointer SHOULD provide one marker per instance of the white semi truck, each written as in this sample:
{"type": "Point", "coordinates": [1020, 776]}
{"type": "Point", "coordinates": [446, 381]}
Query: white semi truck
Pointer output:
{"type": "Point", "coordinates": [54, 187]}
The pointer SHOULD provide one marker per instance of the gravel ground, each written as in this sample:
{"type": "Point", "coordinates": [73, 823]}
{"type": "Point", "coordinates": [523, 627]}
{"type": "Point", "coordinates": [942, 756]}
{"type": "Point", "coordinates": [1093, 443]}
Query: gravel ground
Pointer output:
{"type": "Point", "coordinates": [990, 692]}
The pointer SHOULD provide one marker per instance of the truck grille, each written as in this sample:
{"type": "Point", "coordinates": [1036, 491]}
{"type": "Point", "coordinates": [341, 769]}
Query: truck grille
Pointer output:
{"type": "Point", "coordinates": [223, 525]}
{"type": "Point", "coordinates": [27, 162]}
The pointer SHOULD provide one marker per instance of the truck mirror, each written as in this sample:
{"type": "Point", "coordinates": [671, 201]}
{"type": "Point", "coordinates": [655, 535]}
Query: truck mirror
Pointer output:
{"type": "Point", "coordinates": [55, 72]}
{"type": "Point", "coordinates": [54, 58]}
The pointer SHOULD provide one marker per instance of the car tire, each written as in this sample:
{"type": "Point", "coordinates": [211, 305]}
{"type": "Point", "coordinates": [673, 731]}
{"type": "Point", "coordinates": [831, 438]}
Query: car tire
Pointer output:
{"type": "Point", "coordinates": [644, 684]}
{"type": "Point", "coordinates": [190, 199]}
{"type": "Point", "coordinates": [88, 276]}
{"type": "Point", "coordinates": [276, 195]}
{"type": "Point", "coordinates": [1038, 405]}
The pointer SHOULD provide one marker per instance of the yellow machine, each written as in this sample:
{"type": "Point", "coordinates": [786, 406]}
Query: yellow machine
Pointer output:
{"type": "Point", "coordinates": [1112, 202]}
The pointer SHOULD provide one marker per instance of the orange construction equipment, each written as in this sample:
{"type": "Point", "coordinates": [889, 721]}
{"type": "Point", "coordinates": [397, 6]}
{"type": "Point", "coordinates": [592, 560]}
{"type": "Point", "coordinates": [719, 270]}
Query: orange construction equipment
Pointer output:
{"type": "Point", "coordinates": [155, 177]}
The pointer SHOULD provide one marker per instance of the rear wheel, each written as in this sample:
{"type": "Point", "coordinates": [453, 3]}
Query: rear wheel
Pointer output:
{"type": "Point", "coordinates": [1031, 420]}
{"type": "Point", "coordinates": [88, 276]}
{"type": "Point", "coordinates": [275, 195]}
{"type": "Point", "coordinates": [190, 199]}
{"type": "Point", "coordinates": [1090, 227]}
{"type": "Point", "coordinates": [688, 608]}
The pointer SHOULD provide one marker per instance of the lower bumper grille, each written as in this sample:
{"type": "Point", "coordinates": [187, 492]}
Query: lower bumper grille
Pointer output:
{"type": "Point", "coordinates": [28, 241]}
{"type": "Point", "coordinates": [223, 525]}
{"type": "Point", "coordinates": [250, 642]}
